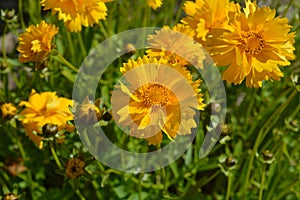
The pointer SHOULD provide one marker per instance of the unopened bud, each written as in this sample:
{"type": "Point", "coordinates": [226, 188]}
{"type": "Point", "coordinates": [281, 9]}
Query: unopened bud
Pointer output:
{"type": "Point", "coordinates": [49, 130]}
{"type": "Point", "coordinates": [230, 162]}
{"type": "Point", "coordinates": [267, 155]}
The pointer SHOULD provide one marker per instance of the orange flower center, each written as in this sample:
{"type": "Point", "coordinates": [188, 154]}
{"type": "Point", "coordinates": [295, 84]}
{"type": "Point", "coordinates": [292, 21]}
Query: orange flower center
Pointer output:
{"type": "Point", "coordinates": [155, 94]}
{"type": "Point", "coordinates": [252, 43]}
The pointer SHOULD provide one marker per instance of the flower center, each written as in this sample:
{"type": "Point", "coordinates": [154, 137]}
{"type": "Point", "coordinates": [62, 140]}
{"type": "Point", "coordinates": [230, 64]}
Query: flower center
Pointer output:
{"type": "Point", "coordinates": [36, 46]}
{"type": "Point", "coordinates": [252, 43]}
{"type": "Point", "coordinates": [155, 94]}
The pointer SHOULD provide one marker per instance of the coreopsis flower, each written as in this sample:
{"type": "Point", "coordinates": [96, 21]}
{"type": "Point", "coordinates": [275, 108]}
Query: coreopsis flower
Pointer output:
{"type": "Point", "coordinates": [154, 4]}
{"type": "Point", "coordinates": [14, 165]}
{"type": "Point", "coordinates": [156, 96]}
{"type": "Point", "coordinates": [176, 45]}
{"type": "Point", "coordinates": [204, 15]}
{"type": "Point", "coordinates": [74, 168]}
{"type": "Point", "coordinates": [77, 13]}
{"type": "Point", "coordinates": [35, 43]}
{"type": "Point", "coordinates": [253, 47]}
{"type": "Point", "coordinates": [10, 196]}
{"type": "Point", "coordinates": [88, 113]}
{"type": "Point", "coordinates": [44, 109]}
{"type": "Point", "coordinates": [8, 110]}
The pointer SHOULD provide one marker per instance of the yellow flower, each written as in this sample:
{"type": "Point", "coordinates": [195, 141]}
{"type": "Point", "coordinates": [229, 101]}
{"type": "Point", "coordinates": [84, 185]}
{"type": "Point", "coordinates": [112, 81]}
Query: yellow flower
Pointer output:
{"type": "Point", "coordinates": [156, 96]}
{"type": "Point", "coordinates": [253, 46]}
{"type": "Point", "coordinates": [35, 43]}
{"type": "Point", "coordinates": [176, 45]}
{"type": "Point", "coordinates": [154, 4]}
{"type": "Point", "coordinates": [88, 113]}
{"type": "Point", "coordinates": [77, 13]}
{"type": "Point", "coordinates": [45, 108]}
{"type": "Point", "coordinates": [8, 110]}
{"type": "Point", "coordinates": [203, 15]}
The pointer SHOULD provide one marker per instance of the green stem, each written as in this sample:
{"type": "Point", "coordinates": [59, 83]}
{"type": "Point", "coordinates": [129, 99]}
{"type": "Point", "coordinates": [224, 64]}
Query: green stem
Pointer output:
{"type": "Point", "coordinates": [81, 44]}
{"type": "Point", "coordinates": [295, 112]}
{"type": "Point", "coordinates": [15, 138]}
{"type": "Point", "coordinates": [67, 63]}
{"type": "Point", "coordinates": [103, 29]}
{"type": "Point", "coordinates": [140, 185]}
{"type": "Point", "coordinates": [29, 176]}
{"type": "Point", "coordinates": [281, 169]}
{"type": "Point", "coordinates": [146, 16]}
{"type": "Point", "coordinates": [287, 8]}
{"type": "Point", "coordinates": [262, 184]}
{"type": "Point", "coordinates": [262, 133]}
{"type": "Point", "coordinates": [286, 191]}
{"type": "Point", "coordinates": [55, 156]}
{"type": "Point", "coordinates": [179, 11]}
{"type": "Point", "coordinates": [165, 182]}
{"type": "Point", "coordinates": [71, 47]}
{"type": "Point", "coordinates": [277, 101]}
{"type": "Point", "coordinates": [5, 81]}
{"type": "Point", "coordinates": [79, 194]}
{"type": "Point", "coordinates": [210, 178]}
{"type": "Point", "coordinates": [3, 45]}
{"type": "Point", "coordinates": [229, 184]}
{"type": "Point", "coordinates": [100, 166]}
{"type": "Point", "coordinates": [249, 109]}
{"type": "Point", "coordinates": [23, 154]}
{"type": "Point", "coordinates": [20, 5]}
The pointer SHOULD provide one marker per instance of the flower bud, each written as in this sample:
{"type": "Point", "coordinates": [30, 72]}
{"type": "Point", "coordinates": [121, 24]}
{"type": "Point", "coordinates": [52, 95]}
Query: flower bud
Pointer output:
{"type": "Point", "coordinates": [49, 130]}
{"type": "Point", "coordinates": [107, 116]}
{"type": "Point", "coordinates": [267, 155]}
{"type": "Point", "coordinates": [230, 162]}
{"type": "Point", "coordinates": [87, 113]}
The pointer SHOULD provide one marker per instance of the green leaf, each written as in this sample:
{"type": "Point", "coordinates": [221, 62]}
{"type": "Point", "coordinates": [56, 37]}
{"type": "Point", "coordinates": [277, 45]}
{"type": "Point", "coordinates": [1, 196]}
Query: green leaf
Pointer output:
{"type": "Point", "coordinates": [68, 75]}
{"type": "Point", "coordinates": [135, 196]}
{"type": "Point", "coordinates": [121, 191]}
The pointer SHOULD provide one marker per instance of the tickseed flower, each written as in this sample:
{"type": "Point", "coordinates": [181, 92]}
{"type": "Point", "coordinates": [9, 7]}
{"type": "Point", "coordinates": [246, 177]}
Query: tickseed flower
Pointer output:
{"type": "Point", "coordinates": [154, 4]}
{"type": "Point", "coordinates": [10, 196]}
{"type": "Point", "coordinates": [253, 46]}
{"type": "Point", "coordinates": [77, 13]}
{"type": "Point", "coordinates": [74, 168]}
{"type": "Point", "coordinates": [176, 45]}
{"type": "Point", "coordinates": [8, 110]}
{"type": "Point", "coordinates": [35, 43]}
{"type": "Point", "coordinates": [42, 109]}
{"type": "Point", "coordinates": [203, 15]}
{"type": "Point", "coordinates": [88, 113]}
{"type": "Point", "coordinates": [156, 96]}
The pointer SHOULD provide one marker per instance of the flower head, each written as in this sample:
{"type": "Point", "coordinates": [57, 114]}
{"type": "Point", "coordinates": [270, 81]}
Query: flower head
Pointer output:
{"type": "Point", "coordinates": [253, 46]}
{"type": "Point", "coordinates": [204, 15]}
{"type": "Point", "coordinates": [75, 168]}
{"type": "Point", "coordinates": [8, 110]}
{"type": "Point", "coordinates": [10, 196]}
{"type": "Point", "coordinates": [88, 113]}
{"type": "Point", "coordinates": [156, 96]}
{"type": "Point", "coordinates": [154, 4]}
{"type": "Point", "coordinates": [35, 43]}
{"type": "Point", "coordinates": [176, 45]}
{"type": "Point", "coordinates": [45, 108]}
{"type": "Point", "coordinates": [77, 13]}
